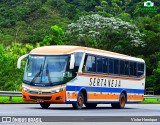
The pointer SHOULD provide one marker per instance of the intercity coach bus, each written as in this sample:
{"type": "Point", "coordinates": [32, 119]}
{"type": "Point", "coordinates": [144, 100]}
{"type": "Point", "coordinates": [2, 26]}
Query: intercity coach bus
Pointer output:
{"type": "Point", "coordinates": [82, 76]}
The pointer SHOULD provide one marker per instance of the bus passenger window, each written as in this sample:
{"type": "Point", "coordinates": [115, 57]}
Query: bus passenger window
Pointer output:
{"type": "Point", "coordinates": [126, 68]}
{"type": "Point", "coordinates": [116, 66]}
{"type": "Point", "coordinates": [94, 64]}
{"type": "Point", "coordinates": [105, 65]}
{"type": "Point", "coordinates": [122, 67]}
{"type": "Point", "coordinates": [111, 64]}
{"type": "Point", "coordinates": [90, 64]}
{"type": "Point", "coordinates": [135, 69]}
{"type": "Point", "coordinates": [140, 71]}
{"type": "Point", "coordinates": [99, 64]}
{"type": "Point", "coordinates": [132, 68]}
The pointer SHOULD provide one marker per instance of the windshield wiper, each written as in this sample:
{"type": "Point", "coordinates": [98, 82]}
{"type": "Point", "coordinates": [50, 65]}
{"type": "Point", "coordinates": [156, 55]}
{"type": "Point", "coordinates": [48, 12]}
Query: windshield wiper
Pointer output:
{"type": "Point", "coordinates": [38, 74]}
{"type": "Point", "coordinates": [49, 77]}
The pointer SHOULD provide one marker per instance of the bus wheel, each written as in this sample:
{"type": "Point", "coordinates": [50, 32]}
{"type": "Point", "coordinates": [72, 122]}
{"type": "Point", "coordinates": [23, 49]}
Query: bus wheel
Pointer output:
{"type": "Point", "coordinates": [121, 103]}
{"type": "Point", "coordinates": [91, 105]}
{"type": "Point", "coordinates": [45, 105]}
{"type": "Point", "coordinates": [80, 102]}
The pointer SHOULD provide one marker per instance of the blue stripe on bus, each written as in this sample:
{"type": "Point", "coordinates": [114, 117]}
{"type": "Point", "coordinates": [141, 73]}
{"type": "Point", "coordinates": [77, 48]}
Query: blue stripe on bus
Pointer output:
{"type": "Point", "coordinates": [103, 89]}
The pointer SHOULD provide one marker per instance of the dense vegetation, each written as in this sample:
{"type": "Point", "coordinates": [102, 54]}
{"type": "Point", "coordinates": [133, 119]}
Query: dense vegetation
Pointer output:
{"type": "Point", "coordinates": [114, 25]}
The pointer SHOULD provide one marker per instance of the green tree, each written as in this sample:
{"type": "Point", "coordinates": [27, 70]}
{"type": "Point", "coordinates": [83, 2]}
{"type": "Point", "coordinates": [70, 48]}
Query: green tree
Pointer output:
{"type": "Point", "coordinates": [125, 17]}
{"type": "Point", "coordinates": [153, 80]}
{"type": "Point", "coordinates": [55, 38]}
{"type": "Point", "coordinates": [11, 77]}
{"type": "Point", "coordinates": [20, 35]}
{"type": "Point", "coordinates": [106, 33]}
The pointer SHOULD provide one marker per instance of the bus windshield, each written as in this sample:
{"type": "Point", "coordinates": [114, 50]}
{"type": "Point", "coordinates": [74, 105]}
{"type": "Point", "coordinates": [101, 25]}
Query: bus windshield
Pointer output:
{"type": "Point", "coordinates": [45, 70]}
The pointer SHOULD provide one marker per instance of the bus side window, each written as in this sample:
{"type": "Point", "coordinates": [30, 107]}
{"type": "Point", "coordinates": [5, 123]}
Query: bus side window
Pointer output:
{"type": "Point", "coordinates": [122, 67]}
{"type": "Point", "coordinates": [126, 68]}
{"type": "Point", "coordinates": [116, 66]}
{"type": "Point", "coordinates": [78, 58]}
{"type": "Point", "coordinates": [140, 71]}
{"type": "Point", "coordinates": [105, 65]}
{"type": "Point", "coordinates": [111, 66]}
{"type": "Point", "coordinates": [99, 64]}
{"type": "Point", "coordinates": [135, 69]}
{"type": "Point", "coordinates": [90, 65]}
{"type": "Point", "coordinates": [131, 68]}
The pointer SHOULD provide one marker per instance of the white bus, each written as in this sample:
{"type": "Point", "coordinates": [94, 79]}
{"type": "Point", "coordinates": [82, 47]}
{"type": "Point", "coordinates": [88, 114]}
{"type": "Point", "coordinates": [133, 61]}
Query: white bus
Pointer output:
{"type": "Point", "coordinates": [82, 76]}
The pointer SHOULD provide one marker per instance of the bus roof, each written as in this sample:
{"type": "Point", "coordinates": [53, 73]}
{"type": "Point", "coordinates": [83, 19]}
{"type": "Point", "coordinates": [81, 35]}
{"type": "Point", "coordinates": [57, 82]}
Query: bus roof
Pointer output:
{"type": "Point", "coordinates": [64, 49]}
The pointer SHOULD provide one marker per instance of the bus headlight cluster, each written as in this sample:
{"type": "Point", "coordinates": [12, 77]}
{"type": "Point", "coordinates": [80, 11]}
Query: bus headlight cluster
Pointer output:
{"type": "Point", "coordinates": [60, 90]}
{"type": "Point", "coordinates": [25, 89]}
{"type": "Point", "coordinates": [49, 91]}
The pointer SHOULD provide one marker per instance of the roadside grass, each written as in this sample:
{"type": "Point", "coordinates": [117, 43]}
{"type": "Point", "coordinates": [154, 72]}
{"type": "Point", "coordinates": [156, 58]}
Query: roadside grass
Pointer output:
{"type": "Point", "coordinates": [5, 100]}
{"type": "Point", "coordinates": [151, 100]}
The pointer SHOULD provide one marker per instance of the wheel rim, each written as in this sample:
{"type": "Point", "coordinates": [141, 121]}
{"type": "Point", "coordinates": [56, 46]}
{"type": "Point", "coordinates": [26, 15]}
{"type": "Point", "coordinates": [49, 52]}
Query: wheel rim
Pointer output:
{"type": "Point", "coordinates": [122, 101]}
{"type": "Point", "coordinates": [80, 101]}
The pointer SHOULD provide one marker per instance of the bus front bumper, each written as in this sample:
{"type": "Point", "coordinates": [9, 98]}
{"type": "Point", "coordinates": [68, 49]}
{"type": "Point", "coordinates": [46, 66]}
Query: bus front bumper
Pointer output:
{"type": "Point", "coordinates": [57, 97]}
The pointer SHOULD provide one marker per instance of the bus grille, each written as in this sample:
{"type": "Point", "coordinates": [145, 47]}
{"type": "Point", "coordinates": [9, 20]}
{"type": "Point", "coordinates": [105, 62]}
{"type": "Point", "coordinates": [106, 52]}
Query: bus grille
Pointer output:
{"type": "Point", "coordinates": [39, 98]}
{"type": "Point", "coordinates": [37, 92]}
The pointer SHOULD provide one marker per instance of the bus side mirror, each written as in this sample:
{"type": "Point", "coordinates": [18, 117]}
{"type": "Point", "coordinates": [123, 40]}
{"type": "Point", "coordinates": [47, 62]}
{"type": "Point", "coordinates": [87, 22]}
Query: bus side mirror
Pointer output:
{"type": "Point", "coordinates": [20, 59]}
{"type": "Point", "coordinates": [72, 62]}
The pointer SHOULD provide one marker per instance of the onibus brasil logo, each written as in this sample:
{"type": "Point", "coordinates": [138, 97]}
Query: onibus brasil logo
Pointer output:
{"type": "Point", "coordinates": [149, 7]}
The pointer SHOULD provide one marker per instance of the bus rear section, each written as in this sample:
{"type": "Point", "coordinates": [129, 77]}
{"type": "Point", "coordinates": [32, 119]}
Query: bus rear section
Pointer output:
{"type": "Point", "coordinates": [109, 79]}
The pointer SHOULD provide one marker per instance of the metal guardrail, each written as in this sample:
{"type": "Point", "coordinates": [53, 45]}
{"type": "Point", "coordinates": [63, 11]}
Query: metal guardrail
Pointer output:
{"type": "Point", "coordinates": [10, 94]}
{"type": "Point", "coordinates": [149, 91]}
{"type": "Point", "coordinates": [157, 97]}
{"type": "Point", "coordinates": [152, 97]}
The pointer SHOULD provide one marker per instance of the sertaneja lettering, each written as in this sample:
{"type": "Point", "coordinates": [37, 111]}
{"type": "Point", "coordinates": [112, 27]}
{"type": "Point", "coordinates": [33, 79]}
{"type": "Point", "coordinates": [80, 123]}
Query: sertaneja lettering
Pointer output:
{"type": "Point", "coordinates": [105, 82]}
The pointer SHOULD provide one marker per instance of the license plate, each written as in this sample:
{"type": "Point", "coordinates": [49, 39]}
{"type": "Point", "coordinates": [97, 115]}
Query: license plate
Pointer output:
{"type": "Point", "coordinates": [40, 100]}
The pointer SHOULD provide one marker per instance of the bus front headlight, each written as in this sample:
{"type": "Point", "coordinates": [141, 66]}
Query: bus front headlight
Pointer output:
{"type": "Point", "coordinates": [60, 90]}
{"type": "Point", "coordinates": [25, 89]}
{"type": "Point", "coordinates": [57, 90]}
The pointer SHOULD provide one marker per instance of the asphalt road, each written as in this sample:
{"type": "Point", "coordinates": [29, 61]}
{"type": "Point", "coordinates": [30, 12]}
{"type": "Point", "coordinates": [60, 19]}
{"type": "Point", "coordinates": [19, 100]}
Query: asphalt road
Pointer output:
{"type": "Point", "coordinates": [67, 110]}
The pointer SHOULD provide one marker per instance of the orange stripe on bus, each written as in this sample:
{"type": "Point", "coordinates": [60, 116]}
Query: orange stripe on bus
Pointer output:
{"type": "Point", "coordinates": [106, 97]}
{"type": "Point", "coordinates": [103, 96]}
{"type": "Point", "coordinates": [135, 97]}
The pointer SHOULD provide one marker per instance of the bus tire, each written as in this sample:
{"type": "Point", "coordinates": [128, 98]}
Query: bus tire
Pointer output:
{"type": "Point", "coordinates": [91, 105]}
{"type": "Point", "coordinates": [121, 103]}
{"type": "Point", "coordinates": [80, 101]}
{"type": "Point", "coordinates": [45, 105]}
